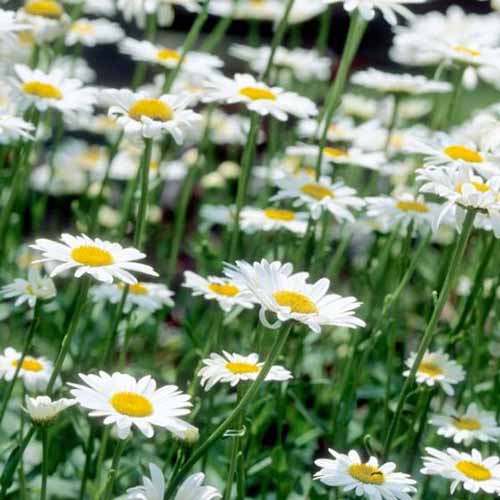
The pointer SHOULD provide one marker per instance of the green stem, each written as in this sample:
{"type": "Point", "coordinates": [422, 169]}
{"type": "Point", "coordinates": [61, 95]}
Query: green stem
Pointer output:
{"type": "Point", "coordinates": [26, 348]}
{"type": "Point", "coordinates": [113, 330]}
{"type": "Point", "coordinates": [392, 122]}
{"type": "Point", "coordinates": [249, 396]}
{"type": "Point", "coordinates": [89, 449]}
{"type": "Point", "coordinates": [45, 462]}
{"type": "Point", "coordinates": [357, 28]}
{"type": "Point", "coordinates": [73, 324]}
{"type": "Point", "coordinates": [120, 446]}
{"type": "Point", "coordinates": [449, 117]}
{"type": "Point", "coordinates": [324, 31]}
{"type": "Point", "coordinates": [429, 332]}
{"type": "Point", "coordinates": [143, 204]}
{"type": "Point", "coordinates": [246, 166]}
{"type": "Point", "coordinates": [191, 38]}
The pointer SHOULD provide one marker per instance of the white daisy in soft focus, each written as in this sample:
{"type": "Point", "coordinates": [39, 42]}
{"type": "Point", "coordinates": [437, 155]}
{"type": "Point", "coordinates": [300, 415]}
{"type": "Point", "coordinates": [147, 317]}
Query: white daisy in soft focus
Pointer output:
{"type": "Point", "coordinates": [194, 62]}
{"type": "Point", "coordinates": [140, 115]}
{"type": "Point", "coordinates": [224, 291]}
{"type": "Point", "coordinates": [389, 8]}
{"type": "Point", "coordinates": [472, 471]}
{"type": "Point", "coordinates": [369, 479]}
{"type": "Point", "coordinates": [338, 155]}
{"type": "Point", "coordinates": [394, 83]}
{"type": "Point", "coordinates": [229, 128]}
{"type": "Point", "coordinates": [14, 128]}
{"type": "Point", "coordinates": [46, 18]}
{"type": "Point", "coordinates": [92, 32]}
{"type": "Point", "coordinates": [319, 195]}
{"type": "Point", "coordinates": [235, 368]}
{"type": "Point", "coordinates": [9, 23]}
{"type": "Point", "coordinates": [153, 488]}
{"type": "Point", "coordinates": [274, 286]}
{"type": "Point", "coordinates": [77, 68]}
{"type": "Point", "coordinates": [463, 190]}
{"type": "Point", "coordinates": [59, 180]}
{"type": "Point", "coordinates": [103, 260]}
{"type": "Point", "coordinates": [148, 296]}
{"type": "Point", "coordinates": [126, 402]}
{"type": "Point", "coordinates": [340, 129]}
{"type": "Point", "coordinates": [272, 219]}
{"type": "Point", "coordinates": [436, 368]}
{"type": "Point", "coordinates": [34, 372]}
{"type": "Point", "coordinates": [76, 154]}
{"type": "Point", "coordinates": [258, 97]}
{"type": "Point", "coordinates": [34, 288]}
{"type": "Point", "coordinates": [138, 10]}
{"type": "Point", "coordinates": [33, 87]}
{"type": "Point", "coordinates": [466, 427]}
{"type": "Point", "coordinates": [304, 64]}
{"type": "Point", "coordinates": [43, 410]}
{"type": "Point", "coordinates": [96, 7]}
{"type": "Point", "coordinates": [403, 209]}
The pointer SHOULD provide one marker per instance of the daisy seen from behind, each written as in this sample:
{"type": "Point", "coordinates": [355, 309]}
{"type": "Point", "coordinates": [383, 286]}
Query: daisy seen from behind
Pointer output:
{"type": "Point", "coordinates": [43, 410]}
{"type": "Point", "coordinates": [103, 260]}
{"type": "Point", "coordinates": [289, 296]}
{"type": "Point", "coordinates": [126, 402]}
{"type": "Point", "coordinates": [36, 287]}
{"type": "Point", "coordinates": [370, 479]}
{"type": "Point", "coordinates": [235, 368]}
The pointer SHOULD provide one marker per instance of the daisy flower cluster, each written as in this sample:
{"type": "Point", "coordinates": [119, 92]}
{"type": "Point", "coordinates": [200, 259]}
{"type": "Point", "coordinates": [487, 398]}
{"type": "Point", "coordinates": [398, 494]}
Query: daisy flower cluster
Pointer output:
{"type": "Point", "coordinates": [247, 251]}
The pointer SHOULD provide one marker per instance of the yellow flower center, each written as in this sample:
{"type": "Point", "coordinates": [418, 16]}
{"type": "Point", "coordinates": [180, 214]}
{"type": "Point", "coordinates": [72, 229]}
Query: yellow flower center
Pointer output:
{"type": "Point", "coordinates": [317, 191]}
{"type": "Point", "coordinates": [138, 289]}
{"type": "Point", "coordinates": [151, 108]}
{"type": "Point", "coordinates": [131, 404]}
{"type": "Point", "coordinates": [297, 302]}
{"type": "Point", "coordinates": [26, 38]}
{"type": "Point", "coordinates": [481, 187]}
{"type": "Point", "coordinates": [473, 470]}
{"type": "Point", "coordinates": [366, 474]}
{"type": "Point", "coordinates": [430, 369]}
{"type": "Point", "coordinates": [257, 93]}
{"type": "Point", "coordinates": [82, 28]}
{"type": "Point", "coordinates": [153, 165]}
{"type": "Point", "coordinates": [168, 55]}
{"type": "Point", "coordinates": [240, 368]}
{"type": "Point", "coordinates": [90, 157]}
{"type": "Point", "coordinates": [335, 152]}
{"type": "Point", "coordinates": [467, 424]}
{"type": "Point", "coordinates": [412, 206]}
{"type": "Point", "coordinates": [465, 50]}
{"type": "Point", "coordinates": [42, 90]}
{"type": "Point", "coordinates": [89, 255]}
{"type": "Point", "coordinates": [44, 8]}
{"type": "Point", "coordinates": [277, 214]}
{"type": "Point", "coordinates": [29, 365]}
{"type": "Point", "coordinates": [226, 289]}
{"type": "Point", "coordinates": [458, 152]}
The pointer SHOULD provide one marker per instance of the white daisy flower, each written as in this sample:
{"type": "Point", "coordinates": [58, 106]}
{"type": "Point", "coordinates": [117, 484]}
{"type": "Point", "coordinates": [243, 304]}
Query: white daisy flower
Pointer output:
{"type": "Point", "coordinates": [10, 24]}
{"type": "Point", "coordinates": [319, 195]}
{"type": "Point", "coordinates": [126, 402]}
{"type": "Point", "coordinates": [358, 106]}
{"type": "Point", "coordinates": [194, 62]}
{"type": "Point", "coordinates": [338, 156]}
{"type": "Point", "coordinates": [103, 260]}
{"type": "Point", "coordinates": [389, 8]}
{"type": "Point", "coordinates": [35, 372]}
{"type": "Point", "coordinates": [462, 190]}
{"type": "Point", "coordinates": [465, 427]}
{"type": "Point", "coordinates": [224, 291]}
{"type": "Point", "coordinates": [51, 90]}
{"type": "Point", "coordinates": [77, 68]}
{"type": "Point", "coordinates": [47, 19]}
{"type": "Point", "coordinates": [369, 479]}
{"type": "Point", "coordinates": [153, 488]}
{"type": "Point", "coordinates": [394, 83]}
{"type": "Point", "coordinates": [305, 64]}
{"type": "Point", "coordinates": [404, 209]}
{"type": "Point", "coordinates": [436, 368]}
{"type": "Point", "coordinates": [272, 219]}
{"type": "Point", "coordinates": [235, 368]}
{"type": "Point", "coordinates": [341, 129]}
{"type": "Point", "coordinates": [138, 10]}
{"type": "Point", "coordinates": [59, 180]}
{"type": "Point", "coordinates": [14, 128]}
{"type": "Point", "coordinates": [229, 129]}
{"type": "Point", "coordinates": [148, 296]}
{"type": "Point", "coordinates": [43, 410]}
{"type": "Point", "coordinates": [79, 154]}
{"type": "Point", "coordinates": [274, 286]}
{"type": "Point", "coordinates": [30, 290]}
{"type": "Point", "coordinates": [92, 32]}
{"type": "Point", "coordinates": [258, 97]}
{"type": "Point", "coordinates": [474, 473]}
{"type": "Point", "coordinates": [140, 115]}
